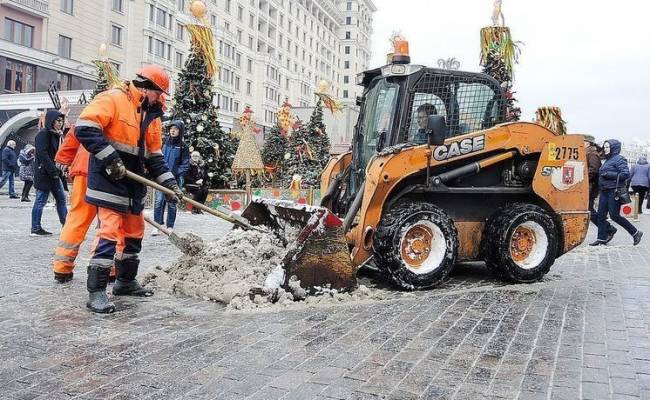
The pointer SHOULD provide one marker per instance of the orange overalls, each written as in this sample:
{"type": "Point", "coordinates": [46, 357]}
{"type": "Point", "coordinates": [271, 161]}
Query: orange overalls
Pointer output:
{"type": "Point", "coordinates": [113, 124]}
{"type": "Point", "coordinates": [81, 214]}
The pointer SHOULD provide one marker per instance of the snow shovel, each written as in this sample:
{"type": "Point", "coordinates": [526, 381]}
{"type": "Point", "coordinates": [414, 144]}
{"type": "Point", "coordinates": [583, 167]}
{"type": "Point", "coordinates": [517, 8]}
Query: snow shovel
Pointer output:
{"type": "Point", "coordinates": [230, 217]}
{"type": "Point", "coordinates": [320, 256]}
{"type": "Point", "coordinates": [188, 244]}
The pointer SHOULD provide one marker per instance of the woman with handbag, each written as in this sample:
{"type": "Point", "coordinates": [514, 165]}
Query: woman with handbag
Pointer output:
{"type": "Point", "coordinates": [612, 179]}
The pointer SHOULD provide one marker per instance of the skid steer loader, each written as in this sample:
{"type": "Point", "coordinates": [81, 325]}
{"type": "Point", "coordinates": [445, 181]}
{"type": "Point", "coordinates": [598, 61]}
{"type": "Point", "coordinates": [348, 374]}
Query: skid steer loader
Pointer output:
{"type": "Point", "coordinates": [435, 176]}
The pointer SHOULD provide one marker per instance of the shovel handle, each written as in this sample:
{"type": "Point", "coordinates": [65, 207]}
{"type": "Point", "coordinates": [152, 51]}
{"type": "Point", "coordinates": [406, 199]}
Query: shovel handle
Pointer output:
{"type": "Point", "coordinates": [194, 203]}
{"type": "Point", "coordinates": [157, 225]}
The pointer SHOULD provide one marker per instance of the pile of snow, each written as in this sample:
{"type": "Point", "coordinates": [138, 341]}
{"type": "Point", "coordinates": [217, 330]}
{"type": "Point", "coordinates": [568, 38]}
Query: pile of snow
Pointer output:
{"type": "Point", "coordinates": [243, 270]}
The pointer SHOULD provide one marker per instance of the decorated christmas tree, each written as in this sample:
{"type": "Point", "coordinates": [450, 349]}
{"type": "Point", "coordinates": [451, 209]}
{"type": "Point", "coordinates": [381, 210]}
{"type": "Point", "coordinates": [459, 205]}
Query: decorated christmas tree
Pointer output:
{"type": "Point", "coordinates": [106, 77]}
{"type": "Point", "coordinates": [193, 105]}
{"type": "Point", "coordinates": [319, 139]}
{"type": "Point", "coordinates": [499, 54]}
{"type": "Point", "coordinates": [274, 150]}
{"type": "Point", "coordinates": [301, 159]}
{"type": "Point", "coordinates": [276, 143]}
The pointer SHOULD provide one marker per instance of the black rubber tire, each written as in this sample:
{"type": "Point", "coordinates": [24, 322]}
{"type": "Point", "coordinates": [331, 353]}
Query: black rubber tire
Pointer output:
{"type": "Point", "coordinates": [495, 246]}
{"type": "Point", "coordinates": [386, 246]}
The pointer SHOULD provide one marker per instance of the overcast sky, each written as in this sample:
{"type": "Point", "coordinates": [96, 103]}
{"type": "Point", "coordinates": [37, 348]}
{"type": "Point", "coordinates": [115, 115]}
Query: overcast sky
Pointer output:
{"type": "Point", "coordinates": [590, 58]}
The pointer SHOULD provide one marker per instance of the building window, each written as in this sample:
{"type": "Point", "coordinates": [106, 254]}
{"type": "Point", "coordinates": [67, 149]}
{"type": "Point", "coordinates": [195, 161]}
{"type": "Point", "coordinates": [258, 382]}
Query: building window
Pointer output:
{"type": "Point", "coordinates": [249, 86]}
{"type": "Point", "coordinates": [178, 61]}
{"type": "Point", "coordinates": [19, 77]}
{"type": "Point", "coordinates": [347, 49]}
{"type": "Point", "coordinates": [240, 13]}
{"type": "Point", "coordinates": [116, 35]}
{"type": "Point", "coordinates": [65, 46]}
{"type": "Point", "coordinates": [346, 79]}
{"type": "Point", "coordinates": [66, 6]}
{"type": "Point", "coordinates": [345, 94]}
{"type": "Point", "coordinates": [117, 5]}
{"type": "Point", "coordinates": [19, 33]}
{"type": "Point", "coordinates": [180, 31]}
{"type": "Point", "coordinates": [163, 18]}
{"type": "Point", "coordinates": [226, 26]}
{"type": "Point", "coordinates": [348, 20]}
{"type": "Point", "coordinates": [239, 36]}
{"type": "Point", "coordinates": [250, 65]}
{"type": "Point", "coordinates": [62, 81]}
{"type": "Point", "coordinates": [228, 4]}
{"type": "Point", "coordinates": [348, 35]}
{"type": "Point", "coordinates": [348, 6]}
{"type": "Point", "coordinates": [159, 48]}
{"type": "Point", "coordinates": [346, 65]}
{"type": "Point", "coordinates": [116, 67]}
{"type": "Point", "coordinates": [180, 4]}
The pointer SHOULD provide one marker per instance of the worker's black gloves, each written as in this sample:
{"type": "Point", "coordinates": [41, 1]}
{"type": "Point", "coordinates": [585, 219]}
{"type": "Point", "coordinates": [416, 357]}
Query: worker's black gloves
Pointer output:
{"type": "Point", "coordinates": [177, 196]}
{"type": "Point", "coordinates": [116, 169]}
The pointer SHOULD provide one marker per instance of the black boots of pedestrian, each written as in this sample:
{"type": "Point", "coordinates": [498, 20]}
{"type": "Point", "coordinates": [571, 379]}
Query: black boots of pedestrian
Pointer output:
{"type": "Point", "coordinates": [97, 297]}
{"type": "Point", "coordinates": [125, 284]}
{"type": "Point", "coordinates": [637, 237]}
{"type": "Point", "coordinates": [63, 277]}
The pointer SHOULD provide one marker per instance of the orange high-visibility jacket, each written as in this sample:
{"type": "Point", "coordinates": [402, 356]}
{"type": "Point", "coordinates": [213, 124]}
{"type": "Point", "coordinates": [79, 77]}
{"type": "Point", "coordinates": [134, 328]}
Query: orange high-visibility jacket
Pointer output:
{"type": "Point", "coordinates": [118, 124]}
{"type": "Point", "coordinates": [71, 153]}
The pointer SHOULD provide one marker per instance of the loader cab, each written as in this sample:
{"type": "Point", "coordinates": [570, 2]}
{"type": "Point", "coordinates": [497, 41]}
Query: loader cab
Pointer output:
{"type": "Point", "coordinates": [395, 94]}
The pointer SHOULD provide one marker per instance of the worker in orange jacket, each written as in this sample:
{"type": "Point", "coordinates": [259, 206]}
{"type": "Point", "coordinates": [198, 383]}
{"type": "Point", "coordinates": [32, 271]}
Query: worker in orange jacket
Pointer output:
{"type": "Point", "coordinates": [72, 157]}
{"type": "Point", "coordinates": [121, 129]}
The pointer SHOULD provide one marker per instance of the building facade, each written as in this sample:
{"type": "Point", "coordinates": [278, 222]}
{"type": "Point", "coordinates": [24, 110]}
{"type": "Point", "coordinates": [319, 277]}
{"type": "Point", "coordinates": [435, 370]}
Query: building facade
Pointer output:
{"type": "Point", "coordinates": [267, 50]}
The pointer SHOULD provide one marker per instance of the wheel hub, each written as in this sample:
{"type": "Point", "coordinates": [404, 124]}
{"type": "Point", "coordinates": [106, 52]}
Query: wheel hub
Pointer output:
{"type": "Point", "coordinates": [522, 243]}
{"type": "Point", "coordinates": [416, 245]}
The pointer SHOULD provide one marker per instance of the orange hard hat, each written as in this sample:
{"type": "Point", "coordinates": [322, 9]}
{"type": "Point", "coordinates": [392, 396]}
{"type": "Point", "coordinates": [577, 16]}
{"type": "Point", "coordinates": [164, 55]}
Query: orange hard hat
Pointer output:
{"type": "Point", "coordinates": [156, 75]}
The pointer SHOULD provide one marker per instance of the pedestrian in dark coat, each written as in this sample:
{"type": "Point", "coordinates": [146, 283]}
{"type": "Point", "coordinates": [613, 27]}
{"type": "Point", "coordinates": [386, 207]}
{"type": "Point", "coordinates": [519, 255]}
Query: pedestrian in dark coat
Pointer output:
{"type": "Point", "coordinates": [613, 175]}
{"type": "Point", "coordinates": [177, 159]}
{"type": "Point", "coordinates": [26, 172]}
{"type": "Point", "coordinates": [9, 167]}
{"type": "Point", "coordinates": [640, 180]}
{"type": "Point", "coordinates": [196, 181]}
{"type": "Point", "coordinates": [47, 178]}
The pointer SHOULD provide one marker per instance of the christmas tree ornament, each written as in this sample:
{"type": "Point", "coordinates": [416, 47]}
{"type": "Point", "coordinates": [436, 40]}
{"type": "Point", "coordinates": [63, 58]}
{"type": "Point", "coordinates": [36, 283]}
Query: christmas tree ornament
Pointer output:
{"type": "Point", "coordinates": [550, 117]}
{"type": "Point", "coordinates": [198, 9]}
{"type": "Point", "coordinates": [287, 156]}
{"type": "Point", "coordinates": [330, 102]}
{"type": "Point", "coordinates": [200, 128]}
{"type": "Point", "coordinates": [204, 117]}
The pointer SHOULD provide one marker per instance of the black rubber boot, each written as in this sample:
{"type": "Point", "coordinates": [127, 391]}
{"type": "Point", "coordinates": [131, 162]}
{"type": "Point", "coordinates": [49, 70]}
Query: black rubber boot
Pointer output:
{"type": "Point", "coordinates": [125, 284]}
{"type": "Point", "coordinates": [63, 277]}
{"type": "Point", "coordinates": [97, 282]}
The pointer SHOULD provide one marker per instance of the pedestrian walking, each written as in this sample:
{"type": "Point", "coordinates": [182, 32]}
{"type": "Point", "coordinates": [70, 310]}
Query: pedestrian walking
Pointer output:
{"type": "Point", "coordinates": [594, 154]}
{"type": "Point", "coordinates": [122, 130]}
{"type": "Point", "coordinates": [47, 177]}
{"type": "Point", "coordinates": [612, 179]}
{"type": "Point", "coordinates": [196, 181]}
{"type": "Point", "coordinates": [640, 180]}
{"type": "Point", "coordinates": [177, 159]}
{"type": "Point", "coordinates": [9, 167]}
{"type": "Point", "coordinates": [74, 158]}
{"type": "Point", "coordinates": [26, 170]}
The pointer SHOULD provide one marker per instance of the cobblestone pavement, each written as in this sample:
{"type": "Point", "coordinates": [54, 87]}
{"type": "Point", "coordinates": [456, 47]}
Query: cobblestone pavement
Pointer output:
{"type": "Point", "coordinates": [581, 333]}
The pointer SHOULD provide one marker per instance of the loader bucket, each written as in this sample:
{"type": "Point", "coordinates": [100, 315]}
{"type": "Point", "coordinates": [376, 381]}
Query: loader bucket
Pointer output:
{"type": "Point", "coordinates": [319, 256]}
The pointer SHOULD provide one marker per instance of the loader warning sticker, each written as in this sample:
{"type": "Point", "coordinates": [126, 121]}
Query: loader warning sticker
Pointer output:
{"type": "Point", "coordinates": [565, 176]}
